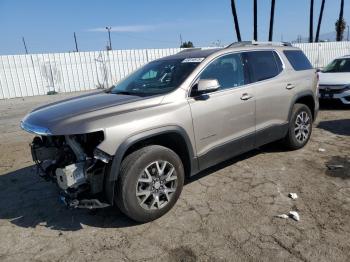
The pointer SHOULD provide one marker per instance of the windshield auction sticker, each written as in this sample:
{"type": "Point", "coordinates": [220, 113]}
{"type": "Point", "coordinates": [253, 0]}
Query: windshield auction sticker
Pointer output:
{"type": "Point", "coordinates": [193, 60]}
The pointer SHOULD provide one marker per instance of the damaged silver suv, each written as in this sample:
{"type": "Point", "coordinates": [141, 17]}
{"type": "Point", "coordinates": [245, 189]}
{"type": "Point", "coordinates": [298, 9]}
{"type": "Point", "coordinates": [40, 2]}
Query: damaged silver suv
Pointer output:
{"type": "Point", "coordinates": [133, 144]}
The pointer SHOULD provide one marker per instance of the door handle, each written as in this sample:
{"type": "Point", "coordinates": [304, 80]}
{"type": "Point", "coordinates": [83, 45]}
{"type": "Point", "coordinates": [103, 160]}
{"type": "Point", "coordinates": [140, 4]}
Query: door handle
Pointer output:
{"type": "Point", "coordinates": [290, 86]}
{"type": "Point", "coordinates": [246, 96]}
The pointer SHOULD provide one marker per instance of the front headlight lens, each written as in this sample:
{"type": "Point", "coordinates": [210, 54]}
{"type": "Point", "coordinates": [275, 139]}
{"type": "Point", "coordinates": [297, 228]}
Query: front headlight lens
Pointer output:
{"type": "Point", "coordinates": [42, 131]}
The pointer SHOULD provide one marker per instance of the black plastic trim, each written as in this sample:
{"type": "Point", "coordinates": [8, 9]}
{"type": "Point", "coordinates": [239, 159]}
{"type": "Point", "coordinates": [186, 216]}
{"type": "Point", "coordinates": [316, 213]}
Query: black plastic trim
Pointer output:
{"type": "Point", "coordinates": [117, 159]}
{"type": "Point", "coordinates": [226, 151]}
{"type": "Point", "coordinates": [301, 95]}
{"type": "Point", "coordinates": [271, 134]}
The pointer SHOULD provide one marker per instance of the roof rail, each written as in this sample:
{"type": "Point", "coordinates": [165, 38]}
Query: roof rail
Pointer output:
{"type": "Point", "coordinates": [246, 43]}
{"type": "Point", "coordinates": [190, 49]}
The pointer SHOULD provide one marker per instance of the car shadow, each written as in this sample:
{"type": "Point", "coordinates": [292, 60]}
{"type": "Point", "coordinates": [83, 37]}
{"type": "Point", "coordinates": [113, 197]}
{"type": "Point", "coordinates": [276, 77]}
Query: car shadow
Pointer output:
{"type": "Point", "coordinates": [333, 105]}
{"type": "Point", "coordinates": [275, 147]}
{"type": "Point", "coordinates": [28, 201]}
{"type": "Point", "coordinates": [338, 126]}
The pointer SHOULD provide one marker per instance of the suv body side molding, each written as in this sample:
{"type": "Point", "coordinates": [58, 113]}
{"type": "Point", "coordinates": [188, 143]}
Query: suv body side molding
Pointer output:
{"type": "Point", "coordinates": [226, 151]}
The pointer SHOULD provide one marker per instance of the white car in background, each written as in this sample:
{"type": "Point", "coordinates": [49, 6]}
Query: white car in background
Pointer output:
{"type": "Point", "coordinates": [335, 80]}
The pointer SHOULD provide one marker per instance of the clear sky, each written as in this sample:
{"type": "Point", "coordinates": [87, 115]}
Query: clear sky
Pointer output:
{"type": "Point", "coordinates": [48, 26]}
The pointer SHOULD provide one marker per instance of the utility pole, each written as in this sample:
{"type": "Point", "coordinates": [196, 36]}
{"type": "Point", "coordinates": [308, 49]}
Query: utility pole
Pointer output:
{"type": "Point", "coordinates": [348, 34]}
{"type": "Point", "coordinates": [109, 36]}
{"type": "Point", "coordinates": [25, 46]}
{"type": "Point", "coordinates": [235, 18]}
{"type": "Point", "coordinates": [181, 40]}
{"type": "Point", "coordinates": [311, 22]}
{"type": "Point", "coordinates": [256, 20]}
{"type": "Point", "coordinates": [319, 22]}
{"type": "Point", "coordinates": [76, 43]}
{"type": "Point", "coordinates": [272, 16]}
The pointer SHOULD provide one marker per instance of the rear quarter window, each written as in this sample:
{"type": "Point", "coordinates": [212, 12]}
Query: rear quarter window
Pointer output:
{"type": "Point", "coordinates": [263, 65]}
{"type": "Point", "coordinates": [298, 60]}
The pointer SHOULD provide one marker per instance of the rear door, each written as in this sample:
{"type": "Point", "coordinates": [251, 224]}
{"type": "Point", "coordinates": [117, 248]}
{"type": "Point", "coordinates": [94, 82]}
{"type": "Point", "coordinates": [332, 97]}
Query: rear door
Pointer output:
{"type": "Point", "coordinates": [273, 88]}
{"type": "Point", "coordinates": [303, 73]}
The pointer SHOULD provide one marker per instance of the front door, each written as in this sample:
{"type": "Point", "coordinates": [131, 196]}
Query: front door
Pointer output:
{"type": "Point", "coordinates": [224, 120]}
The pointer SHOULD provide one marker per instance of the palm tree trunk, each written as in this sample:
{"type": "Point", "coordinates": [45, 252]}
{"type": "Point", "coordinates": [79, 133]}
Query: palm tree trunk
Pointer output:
{"type": "Point", "coordinates": [272, 17]}
{"type": "Point", "coordinates": [319, 21]}
{"type": "Point", "coordinates": [339, 31]}
{"type": "Point", "coordinates": [311, 28]}
{"type": "Point", "coordinates": [256, 20]}
{"type": "Point", "coordinates": [235, 18]}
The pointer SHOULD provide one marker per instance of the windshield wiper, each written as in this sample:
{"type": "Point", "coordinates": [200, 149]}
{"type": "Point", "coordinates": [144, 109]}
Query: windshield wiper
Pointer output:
{"type": "Point", "coordinates": [124, 93]}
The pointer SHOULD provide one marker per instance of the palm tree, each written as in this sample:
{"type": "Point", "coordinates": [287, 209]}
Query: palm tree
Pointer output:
{"type": "Point", "coordinates": [235, 18]}
{"type": "Point", "coordinates": [272, 16]}
{"type": "Point", "coordinates": [311, 28]}
{"type": "Point", "coordinates": [256, 20]}
{"type": "Point", "coordinates": [340, 24]}
{"type": "Point", "coordinates": [319, 21]}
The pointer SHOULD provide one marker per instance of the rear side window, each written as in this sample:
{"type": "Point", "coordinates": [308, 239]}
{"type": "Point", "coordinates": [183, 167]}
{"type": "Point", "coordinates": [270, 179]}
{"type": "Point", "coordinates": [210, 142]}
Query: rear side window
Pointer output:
{"type": "Point", "coordinates": [263, 65]}
{"type": "Point", "coordinates": [298, 60]}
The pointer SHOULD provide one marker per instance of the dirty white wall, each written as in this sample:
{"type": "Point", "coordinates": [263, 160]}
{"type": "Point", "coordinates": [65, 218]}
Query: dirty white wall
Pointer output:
{"type": "Point", "coordinates": [37, 74]}
{"type": "Point", "coordinates": [320, 54]}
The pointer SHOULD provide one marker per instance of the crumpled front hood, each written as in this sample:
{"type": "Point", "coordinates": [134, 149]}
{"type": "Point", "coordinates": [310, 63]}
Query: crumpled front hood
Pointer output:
{"type": "Point", "coordinates": [72, 115]}
{"type": "Point", "coordinates": [334, 78]}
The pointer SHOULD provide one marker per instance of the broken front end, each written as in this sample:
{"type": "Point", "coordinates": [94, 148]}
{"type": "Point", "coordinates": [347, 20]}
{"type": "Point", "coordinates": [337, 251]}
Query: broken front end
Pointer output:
{"type": "Point", "coordinates": [75, 164]}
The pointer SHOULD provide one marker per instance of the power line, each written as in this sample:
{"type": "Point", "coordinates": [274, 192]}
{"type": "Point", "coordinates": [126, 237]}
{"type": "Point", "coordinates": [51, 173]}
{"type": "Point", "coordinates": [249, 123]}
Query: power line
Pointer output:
{"type": "Point", "coordinates": [76, 43]}
{"type": "Point", "coordinates": [25, 45]}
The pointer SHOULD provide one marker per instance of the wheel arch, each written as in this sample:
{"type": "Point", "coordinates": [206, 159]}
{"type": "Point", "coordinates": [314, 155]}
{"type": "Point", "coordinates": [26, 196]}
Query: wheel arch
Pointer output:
{"type": "Point", "coordinates": [306, 98]}
{"type": "Point", "coordinates": [173, 137]}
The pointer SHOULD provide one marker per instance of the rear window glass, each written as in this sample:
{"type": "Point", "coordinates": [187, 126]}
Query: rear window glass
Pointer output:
{"type": "Point", "coordinates": [298, 60]}
{"type": "Point", "coordinates": [262, 65]}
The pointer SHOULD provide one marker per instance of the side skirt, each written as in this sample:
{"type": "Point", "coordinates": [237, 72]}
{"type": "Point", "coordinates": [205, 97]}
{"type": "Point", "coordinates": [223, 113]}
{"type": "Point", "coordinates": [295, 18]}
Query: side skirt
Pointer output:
{"type": "Point", "coordinates": [241, 145]}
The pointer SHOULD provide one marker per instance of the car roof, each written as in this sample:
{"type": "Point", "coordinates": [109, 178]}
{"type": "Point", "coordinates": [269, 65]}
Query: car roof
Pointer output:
{"type": "Point", "coordinates": [239, 46]}
{"type": "Point", "coordinates": [192, 53]}
{"type": "Point", "coordinates": [346, 56]}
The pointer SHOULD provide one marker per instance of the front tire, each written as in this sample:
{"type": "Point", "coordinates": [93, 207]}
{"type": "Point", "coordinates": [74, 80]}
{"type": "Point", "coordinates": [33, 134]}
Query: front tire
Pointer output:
{"type": "Point", "coordinates": [300, 127]}
{"type": "Point", "coordinates": [150, 182]}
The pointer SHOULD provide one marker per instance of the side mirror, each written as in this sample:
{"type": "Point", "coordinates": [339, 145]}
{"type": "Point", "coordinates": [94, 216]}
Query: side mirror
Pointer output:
{"type": "Point", "coordinates": [207, 85]}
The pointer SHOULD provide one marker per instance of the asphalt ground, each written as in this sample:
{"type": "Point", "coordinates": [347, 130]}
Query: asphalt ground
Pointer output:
{"type": "Point", "coordinates": [227, 213]}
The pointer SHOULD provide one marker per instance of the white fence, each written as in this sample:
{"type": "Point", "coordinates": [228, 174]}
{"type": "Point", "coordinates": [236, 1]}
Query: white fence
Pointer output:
{"type": "Point", "coordinates": [38, 74]}
{"type": "Point", "coordinates": [320, 54]}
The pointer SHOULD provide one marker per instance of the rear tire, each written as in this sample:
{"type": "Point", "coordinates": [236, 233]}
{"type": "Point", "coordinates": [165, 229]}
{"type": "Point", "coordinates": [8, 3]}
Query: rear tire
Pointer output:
{"type": "Point", "coordinates": [150, 182]}
{"type": "Point", "coordinates": [300, 127]}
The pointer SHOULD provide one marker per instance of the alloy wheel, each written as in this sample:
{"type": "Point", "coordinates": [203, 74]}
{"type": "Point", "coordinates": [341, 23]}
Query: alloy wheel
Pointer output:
{"type": "Point", "coordinates": [156, 185]}
{"type": "Point", "coordinates": [302, 126]}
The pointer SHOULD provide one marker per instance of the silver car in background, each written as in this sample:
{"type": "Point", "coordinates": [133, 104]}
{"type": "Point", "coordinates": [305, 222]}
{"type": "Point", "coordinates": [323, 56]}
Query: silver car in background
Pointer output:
{"type": "Point", "coordinates": [133, 144]}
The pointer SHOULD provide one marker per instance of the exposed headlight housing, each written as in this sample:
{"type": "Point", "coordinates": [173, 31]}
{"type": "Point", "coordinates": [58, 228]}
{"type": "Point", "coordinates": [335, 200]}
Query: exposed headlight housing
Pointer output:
{"type": "Point", "coordinates": [100, 155]}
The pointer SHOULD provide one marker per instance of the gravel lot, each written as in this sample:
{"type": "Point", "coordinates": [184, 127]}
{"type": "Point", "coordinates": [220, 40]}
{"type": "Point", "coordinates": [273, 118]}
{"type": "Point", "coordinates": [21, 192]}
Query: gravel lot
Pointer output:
{"type": "Point", "coordinates": [224, 214]}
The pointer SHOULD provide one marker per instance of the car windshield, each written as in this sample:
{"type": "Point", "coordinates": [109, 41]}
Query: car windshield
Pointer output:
{"type": "Point", "coordinates": [338, 66]}
{"type": "Point", "coordinates": [158, 77]}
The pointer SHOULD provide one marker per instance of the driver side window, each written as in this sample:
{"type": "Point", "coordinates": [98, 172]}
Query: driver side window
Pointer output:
{"type": "Point", "coordinates": [228, 70]}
